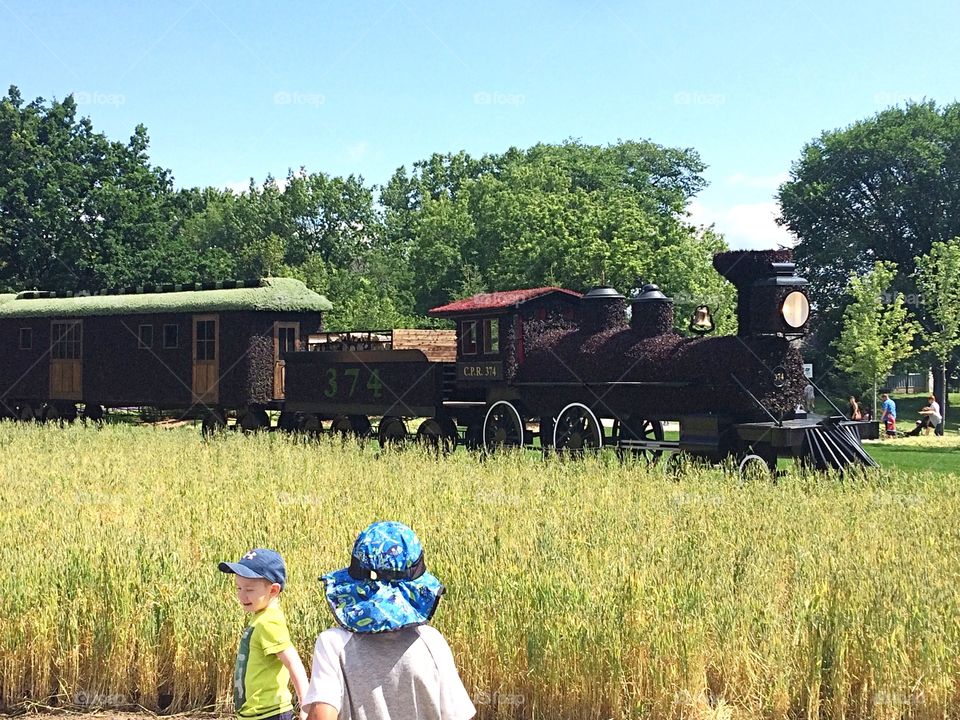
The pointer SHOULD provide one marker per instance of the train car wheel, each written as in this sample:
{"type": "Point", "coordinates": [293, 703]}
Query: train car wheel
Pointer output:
{"type": "Point", "coordinates": [637, 429]}
{"type": "Point", "coordinates": [392, 431]}
{"type": "Point", "coordinates": [289, 421]}
{"type": "Point", "coordinates": [93, 412]}
{"type": "Point", "coordinates": [312, 425]}
{"type": "Point", "coordinates": [436, 435]}
{"type": "Point", "coordinates": [360, 424]}
{"type": "Point", "coordinates": [577, 429]}
{"type": "Point", "coordinates": [25, 413]}
{"type": "Point", "coordinates": [213, 424]}
{"type": "Point", "coordinates": [69, 414]}
{"type": "Point", "coordinates": [502, 427]}
{"type": "Point", "coordinates": [341, 427]}
{"type": "Point", "coordinates": [254, 420]}
{"type": "Point", "coordinates": [429, 433]}
{"type": "Point", "coordinates": [451, 435]}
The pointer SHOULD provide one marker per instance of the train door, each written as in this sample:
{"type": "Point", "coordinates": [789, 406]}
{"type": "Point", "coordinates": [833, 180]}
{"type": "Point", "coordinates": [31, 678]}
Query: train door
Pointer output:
{"type": "Point", "coordinates": [286, 338]}
{"type": "Point", "coordinates": [66, 359]}
{"type": "Point", "coordinates": [206, 359]}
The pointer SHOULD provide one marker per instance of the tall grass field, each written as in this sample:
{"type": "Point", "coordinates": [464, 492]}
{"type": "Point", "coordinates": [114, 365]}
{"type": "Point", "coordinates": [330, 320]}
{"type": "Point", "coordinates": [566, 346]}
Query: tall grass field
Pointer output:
{"type": "Point", "coordinates": [575, 589]}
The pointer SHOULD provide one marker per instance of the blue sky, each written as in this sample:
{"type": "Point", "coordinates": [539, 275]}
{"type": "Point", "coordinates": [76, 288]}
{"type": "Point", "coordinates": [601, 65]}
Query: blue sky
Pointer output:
{"type": "Point", "coordinates": [236, 90]}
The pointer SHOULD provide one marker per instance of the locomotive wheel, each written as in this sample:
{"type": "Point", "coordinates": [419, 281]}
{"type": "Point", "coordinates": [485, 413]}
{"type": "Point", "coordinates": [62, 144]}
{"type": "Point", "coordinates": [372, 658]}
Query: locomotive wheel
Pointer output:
{"type": "Point", "coordinates": [753, 468]}
{"type": "Point", "coordinates": [392, 431]}
{"type": "Point", "coordinates": [577, 429]}
{"type": "Point", "coordinates": [638, 428]}
{"type": "Point", "coordinates": [213, 424]}
{"type": "Point", "coordinates": [502, 427]}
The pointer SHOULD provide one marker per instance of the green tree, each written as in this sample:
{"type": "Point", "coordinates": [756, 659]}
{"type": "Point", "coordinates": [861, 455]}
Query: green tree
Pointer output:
{"type": "Point", "coordinates": [884, 188]}
{"type": "Point", "coordinates": [938, 279]}
{"type": "Point", "coordinates": [877, 329]}
{"type": "Point", "coordinates": [76, 209]}
{"type": "Point", "coordinates": [570, 215]}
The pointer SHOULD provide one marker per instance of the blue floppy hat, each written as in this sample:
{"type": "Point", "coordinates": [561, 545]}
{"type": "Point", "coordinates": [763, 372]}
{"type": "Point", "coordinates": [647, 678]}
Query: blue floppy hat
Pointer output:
{"type": "Point", "coordinates": [387, 586]}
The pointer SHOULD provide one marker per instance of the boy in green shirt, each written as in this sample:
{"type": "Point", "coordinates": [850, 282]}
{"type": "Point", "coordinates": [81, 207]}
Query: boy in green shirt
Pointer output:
{"type": "Point", "coordinates": [266, 659]}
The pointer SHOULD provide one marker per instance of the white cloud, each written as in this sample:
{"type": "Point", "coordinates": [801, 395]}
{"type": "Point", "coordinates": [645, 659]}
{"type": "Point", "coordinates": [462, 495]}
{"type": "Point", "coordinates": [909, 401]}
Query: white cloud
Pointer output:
{"type": "Point", "coordinates": [358, 151]}
{"type": "Point", "coordinates": [748, 226]}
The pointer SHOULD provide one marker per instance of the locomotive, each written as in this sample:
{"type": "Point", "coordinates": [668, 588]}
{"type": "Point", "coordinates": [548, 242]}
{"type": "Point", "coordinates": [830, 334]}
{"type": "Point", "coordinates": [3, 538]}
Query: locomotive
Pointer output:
{"type": "Point", "coordinates": [570, 371]}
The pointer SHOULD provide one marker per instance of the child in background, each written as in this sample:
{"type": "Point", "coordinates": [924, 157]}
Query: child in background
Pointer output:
{"type": "Point", "coordinates": [266, 659]}
{"type": "Point", "coordinates": [889, 415]}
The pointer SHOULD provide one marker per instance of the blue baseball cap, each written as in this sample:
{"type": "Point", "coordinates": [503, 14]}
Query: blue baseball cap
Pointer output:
{"type": "Point", "coordinates": [261, 563]}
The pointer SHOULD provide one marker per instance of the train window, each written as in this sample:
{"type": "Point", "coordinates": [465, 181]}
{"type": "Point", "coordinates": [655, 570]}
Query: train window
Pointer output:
{"type": "Point", "coordinates": [491, 337]}
{"type": "Point", "coordinates": [206, 340]}
{"type": "Point", "coordinates": [65, 340]}
{"type": "Point", "coordinates": [468, 337]}
{"type": "Point", "coordinates": [286, 339]}
{"type": "Point", "coordinates": [171, 337]}
{"type": "Point", "coordinates": [26, 338]}
{"type": "Point", "coordinates": [145, 337]}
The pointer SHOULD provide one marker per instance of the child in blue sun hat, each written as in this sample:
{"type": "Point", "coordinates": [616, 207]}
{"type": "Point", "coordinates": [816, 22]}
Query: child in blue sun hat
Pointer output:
{"type": "Point", "coordinates": [384, 661]}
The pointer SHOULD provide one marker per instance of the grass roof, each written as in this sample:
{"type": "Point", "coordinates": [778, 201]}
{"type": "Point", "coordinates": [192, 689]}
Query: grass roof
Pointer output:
{"type": "Point", "coordinates": [274, 295]}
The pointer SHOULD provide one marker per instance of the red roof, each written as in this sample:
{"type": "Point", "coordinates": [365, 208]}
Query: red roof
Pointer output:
{"type": "Point", "coordinates": [497, 300]}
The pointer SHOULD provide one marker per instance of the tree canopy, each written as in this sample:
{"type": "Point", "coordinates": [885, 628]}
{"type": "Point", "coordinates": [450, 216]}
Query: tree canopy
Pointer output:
{"type": "Point", "coordinates": [80, 211]}
{"type": "Point", "coordinates": [877, 329]}
{"type": "Point", "coordinates": [570, 215]}
{"type": "Point", "coordinates": [884, 188]}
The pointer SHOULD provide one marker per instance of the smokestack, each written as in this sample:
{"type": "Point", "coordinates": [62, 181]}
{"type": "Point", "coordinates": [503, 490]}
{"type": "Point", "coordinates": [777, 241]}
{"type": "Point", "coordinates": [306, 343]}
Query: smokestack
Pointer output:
{"type": "Point", "coordinates": [651, 312]}
{"type": "Point", "coordinates": [744, 268]}
{"type": "Point", "coordinates": [603, 309]}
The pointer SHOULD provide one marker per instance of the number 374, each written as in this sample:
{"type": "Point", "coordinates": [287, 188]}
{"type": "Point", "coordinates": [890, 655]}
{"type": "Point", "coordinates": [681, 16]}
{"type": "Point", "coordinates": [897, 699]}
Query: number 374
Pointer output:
{"type": "Point", "coordinates": [347, 381]}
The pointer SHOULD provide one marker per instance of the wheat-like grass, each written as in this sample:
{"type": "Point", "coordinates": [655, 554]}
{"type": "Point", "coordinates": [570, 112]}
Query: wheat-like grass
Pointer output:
{"type": "Point", "coordinates": [575, 589]}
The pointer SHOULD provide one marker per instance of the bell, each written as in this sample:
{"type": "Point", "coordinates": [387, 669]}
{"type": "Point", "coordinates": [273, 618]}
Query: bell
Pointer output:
{"type": "Point", "coordinates": [701, 322]}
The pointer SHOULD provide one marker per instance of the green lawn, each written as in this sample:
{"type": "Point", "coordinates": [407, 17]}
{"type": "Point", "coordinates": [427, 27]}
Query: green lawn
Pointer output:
{"type": "Point", "coordinates": [921, 454]}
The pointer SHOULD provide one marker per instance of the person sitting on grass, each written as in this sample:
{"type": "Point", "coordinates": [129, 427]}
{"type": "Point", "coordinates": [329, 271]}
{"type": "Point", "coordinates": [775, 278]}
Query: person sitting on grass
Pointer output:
{"type": "Point", "coordinates": [266, 660]}
{"type": "Point", "coordinates": [384, 661]}
{"type": "Point", "coordinates": [931, 417]}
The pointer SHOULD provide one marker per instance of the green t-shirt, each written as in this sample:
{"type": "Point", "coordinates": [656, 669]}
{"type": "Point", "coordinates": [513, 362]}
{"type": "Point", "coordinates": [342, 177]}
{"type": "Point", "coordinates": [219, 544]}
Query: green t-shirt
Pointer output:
{"type": "Point", "coordinates": [261, 684]}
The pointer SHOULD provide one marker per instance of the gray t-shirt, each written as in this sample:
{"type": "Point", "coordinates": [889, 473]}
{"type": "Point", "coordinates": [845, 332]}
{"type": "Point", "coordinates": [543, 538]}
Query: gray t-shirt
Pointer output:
{"type": "Point", "coordinates": [404, 675]}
